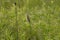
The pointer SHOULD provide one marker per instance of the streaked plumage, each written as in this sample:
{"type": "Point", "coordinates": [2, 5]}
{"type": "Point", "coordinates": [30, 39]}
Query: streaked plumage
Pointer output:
{"type": "Point", "coordinates": [28, 19]}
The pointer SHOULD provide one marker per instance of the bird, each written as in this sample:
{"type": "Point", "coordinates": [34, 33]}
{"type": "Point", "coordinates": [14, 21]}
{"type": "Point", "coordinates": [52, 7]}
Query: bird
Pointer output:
{"type": "Point", "coordinates": [28, 18]}
{"type": "Point", "coordinates": [15, 3]}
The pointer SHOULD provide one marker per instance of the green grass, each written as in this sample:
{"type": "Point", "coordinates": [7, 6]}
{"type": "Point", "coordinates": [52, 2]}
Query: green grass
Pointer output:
{"type": "Point", "coordinates": [44, 20]}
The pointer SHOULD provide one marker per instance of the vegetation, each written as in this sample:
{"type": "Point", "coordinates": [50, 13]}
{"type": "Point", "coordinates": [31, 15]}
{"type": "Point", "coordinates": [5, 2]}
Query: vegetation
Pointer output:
{"type": "Point", "coordinates": [43, 22]}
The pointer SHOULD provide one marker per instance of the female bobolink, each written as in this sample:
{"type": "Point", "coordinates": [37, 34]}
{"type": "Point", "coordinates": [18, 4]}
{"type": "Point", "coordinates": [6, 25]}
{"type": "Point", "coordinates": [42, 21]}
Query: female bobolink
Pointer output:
{"type": "Point", "coordinates": [28, 19]}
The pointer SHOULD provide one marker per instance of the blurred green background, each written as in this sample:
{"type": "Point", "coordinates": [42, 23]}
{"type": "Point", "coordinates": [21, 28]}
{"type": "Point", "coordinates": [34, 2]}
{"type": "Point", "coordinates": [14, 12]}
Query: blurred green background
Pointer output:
{"type": "Point", "coordinates": [44, 20]}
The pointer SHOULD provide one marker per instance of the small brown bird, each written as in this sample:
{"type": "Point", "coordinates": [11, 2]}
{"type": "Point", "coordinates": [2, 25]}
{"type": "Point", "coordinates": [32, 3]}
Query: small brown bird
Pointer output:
{"type": "Point", "coordinates": [15, 3]}
{"type": "Point", "coordinates": [28, 19]}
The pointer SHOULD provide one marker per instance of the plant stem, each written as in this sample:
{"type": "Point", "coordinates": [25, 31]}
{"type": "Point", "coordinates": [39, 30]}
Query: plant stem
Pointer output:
{"type": "Point", "coordinates": [16, 20]}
